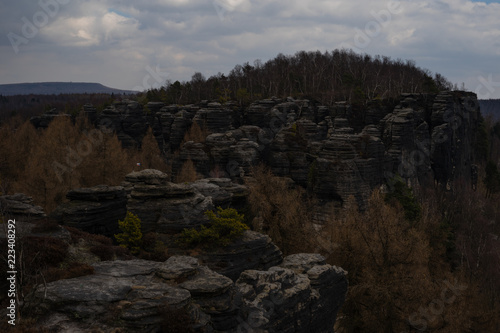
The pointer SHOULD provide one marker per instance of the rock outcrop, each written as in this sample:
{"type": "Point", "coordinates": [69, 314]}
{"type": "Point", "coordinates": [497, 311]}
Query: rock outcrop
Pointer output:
{"type": "Point", "coordinates": [253, 251]}
{"type": "Point", "coordinates": [163, 206]}
{"type": "Point", "coordinates": [133, 295]}
{"type": "Point", "coordinates": [95, 210]}
{"type": "Point", "coordinates": [20, 206]}
{"type": "Point", "coordinates": [166, 207]}
{"type": "Point", "coordinates": [336, 151]}
{"type": "Point", "coordinates": [303, 294]}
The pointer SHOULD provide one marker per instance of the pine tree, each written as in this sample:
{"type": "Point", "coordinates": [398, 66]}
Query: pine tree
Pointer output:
{"type": "Point", "coordinates": [131, 236]}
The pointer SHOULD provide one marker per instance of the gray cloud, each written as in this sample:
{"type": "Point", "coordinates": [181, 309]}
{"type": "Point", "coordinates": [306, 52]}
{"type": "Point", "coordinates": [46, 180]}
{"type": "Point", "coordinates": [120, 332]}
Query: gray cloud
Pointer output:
{"type": "Point", "coordinates": [116, 42]}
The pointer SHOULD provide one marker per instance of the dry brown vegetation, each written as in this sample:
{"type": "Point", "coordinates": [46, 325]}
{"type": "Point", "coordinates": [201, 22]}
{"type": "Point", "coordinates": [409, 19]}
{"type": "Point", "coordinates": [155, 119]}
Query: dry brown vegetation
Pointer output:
{"type": "Point", "coordinates": [187, 173]}
{"type": "Point", "coordinates": [150, 155]}
{"type": "Point", "coordinates": [437, 273]}
{"type": "Point", "coordinates": [46, 164]}
{"type": "Point", "coordinates": [282, 210]}
{"type": "Point", "coordinates": [195, 133]}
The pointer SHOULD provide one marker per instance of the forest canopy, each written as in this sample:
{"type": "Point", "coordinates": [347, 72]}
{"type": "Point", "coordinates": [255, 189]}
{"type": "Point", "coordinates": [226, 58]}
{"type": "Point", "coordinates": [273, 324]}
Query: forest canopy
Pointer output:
{"type": "Point", "coordinates": [338, 75]}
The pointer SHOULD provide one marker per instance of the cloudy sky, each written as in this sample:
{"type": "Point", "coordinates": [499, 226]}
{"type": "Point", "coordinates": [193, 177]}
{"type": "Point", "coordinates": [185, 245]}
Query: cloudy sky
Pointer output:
{"type": "Point", "coordinates": [134, 45]}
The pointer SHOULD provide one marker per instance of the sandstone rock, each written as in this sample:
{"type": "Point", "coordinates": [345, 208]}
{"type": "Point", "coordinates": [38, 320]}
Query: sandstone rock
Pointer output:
{"type": "Point", "coordinates": [195, 152]}
{"type": "Point", "coordinates": [335, 151]}
{"type": "Point", "coordinates": [95, 210]}
{"type": "Point", "coordinates": [215, 118]}
{"type": "Point", "coordinates": [253, 251]}
{"type": "Point", "coordinates": [163, 206]}
{"type": "Point", "coordinates": [45, 119]}
{"type": "Point", "coordinates": [130, 295]}
{"type": "Point", "coordinates": [20, 206]}
{"type": "Point", "coordinates": [328, 283]}
{"type": "Point", "coordinates": [223, 191]}
{"type": "Point", "coordinates": [304, 294]}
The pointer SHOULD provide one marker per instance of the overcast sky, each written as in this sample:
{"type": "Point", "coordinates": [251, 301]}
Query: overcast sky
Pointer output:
{"type": "Point", "coordinates": [130, 44]}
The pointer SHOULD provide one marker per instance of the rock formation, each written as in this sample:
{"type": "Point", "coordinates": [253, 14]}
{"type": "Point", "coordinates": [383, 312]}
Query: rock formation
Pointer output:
{"type": "Point", "coordinates": [95, 210]}
{"type": "Point", "coordinates": [302, 296]}
{"type": "Point", "coordinates": [335, 151]}
{"type": "Point", "coordinates": [20, 206]}
{"type": "Point", "coordinates": [163, 206]}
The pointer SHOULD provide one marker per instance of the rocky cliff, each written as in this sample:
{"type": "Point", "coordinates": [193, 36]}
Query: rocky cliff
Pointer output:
{"type": "Point", "coordinates": [334, 151]}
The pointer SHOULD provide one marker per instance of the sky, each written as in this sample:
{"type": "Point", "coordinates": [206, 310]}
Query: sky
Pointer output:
{"type": "Point", "coordinates": [136, 45]}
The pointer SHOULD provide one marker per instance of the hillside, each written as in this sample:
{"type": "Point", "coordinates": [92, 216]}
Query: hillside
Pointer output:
{"type": "Point", "coordinates": [329, 77]}
{"type": "Point", "coordinates": [55, 88]}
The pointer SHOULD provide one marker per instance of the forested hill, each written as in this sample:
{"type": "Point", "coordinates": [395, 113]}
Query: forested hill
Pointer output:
{"type": "Point", "coordinates": [56, 88]}
{"type": "Point", "coordinates": [339, 75]}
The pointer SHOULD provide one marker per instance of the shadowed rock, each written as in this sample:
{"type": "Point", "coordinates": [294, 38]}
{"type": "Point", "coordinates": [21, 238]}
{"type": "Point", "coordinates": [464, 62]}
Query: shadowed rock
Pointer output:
{"type": "Point", "coordinates": [96, 209]}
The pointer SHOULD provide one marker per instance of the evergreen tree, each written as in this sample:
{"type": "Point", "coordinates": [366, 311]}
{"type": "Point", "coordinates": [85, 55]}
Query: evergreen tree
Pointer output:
{"type": "Point", "coordinates": [131, 235]}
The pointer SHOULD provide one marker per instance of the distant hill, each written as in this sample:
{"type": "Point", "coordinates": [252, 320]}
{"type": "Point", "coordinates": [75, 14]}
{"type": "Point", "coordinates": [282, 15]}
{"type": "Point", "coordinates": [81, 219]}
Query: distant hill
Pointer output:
{"type": "Point", "coordinates": [56, 88]}
{"type": "Point", "coordinates": [490, 106]}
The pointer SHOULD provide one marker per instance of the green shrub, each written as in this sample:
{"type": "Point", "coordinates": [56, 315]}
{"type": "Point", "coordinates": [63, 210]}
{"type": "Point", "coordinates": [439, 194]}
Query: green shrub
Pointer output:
{"type": "Point", "coordinates": [131, 236]}
{"type": "Point", "coordinates": [225, 226]}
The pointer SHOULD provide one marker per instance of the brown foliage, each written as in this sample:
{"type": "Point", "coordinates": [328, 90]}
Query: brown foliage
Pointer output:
{"type": "Point", "coordinates": [195, 133]}
{"type": "Point", "coordinates": [104, 252]}
{"type": "Point", "coordinates": [35, 257]}
{"type": "Point", "coordinates": [100, 245]}
{"type": "Point", "coordinates": [400, 273]}
{"type": "Point", "coordinates": [47, 164]}
{"type": "Point", "coordinates": [187, 173]}
{"type": "Point", "coordinates": [44, 251]}
{"type": "Point", "coordinates": [153, 248]}
{"type": "Point", "coordinates": [385, 257]}
{"type": "Point", "coordinates": [150, 155]}
{"type": "Point", "coordinates": [18, 141]}
{"type": "Point", "coordinates": [282, 210]}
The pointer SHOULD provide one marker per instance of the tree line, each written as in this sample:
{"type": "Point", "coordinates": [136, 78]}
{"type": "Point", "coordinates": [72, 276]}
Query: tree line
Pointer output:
{"type": "Point", "coordinates": [26, 106]}
{"type": "Point", "coordinates": [70, 153]}
{"type": "Point", "coordinates": [338, 75]}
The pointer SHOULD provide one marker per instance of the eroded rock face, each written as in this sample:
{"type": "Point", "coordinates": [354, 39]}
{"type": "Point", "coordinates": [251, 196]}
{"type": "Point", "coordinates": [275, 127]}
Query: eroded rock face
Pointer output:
{"type": "Point", "coordinates": [300, 296]}
{"type": "Point", "coordinates": [303, 294]}
{"type": "Point", "coordinates": [329, 286]}
{"type": "Point", "coordinates": [163, 206]}
{"type": "Point", "coordinates": [253, 251]}
{"type": "Point", "coordinates": [45, 119]}
{"type": "Point", "coordinates": [20, 206]}
{"type": "Point", "coordinates": [335, 151]}
{"type": "Point", "coordinates": [95, 210]}
{"type": "Point", "coordinates": [130, 294]}
{"type": "Point", "coordinates": [167, 207]}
